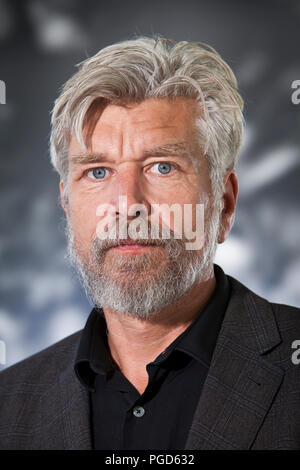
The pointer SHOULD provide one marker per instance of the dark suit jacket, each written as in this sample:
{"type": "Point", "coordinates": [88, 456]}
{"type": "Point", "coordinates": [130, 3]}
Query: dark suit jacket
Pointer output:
{"type": "Point", "coordinates": [250, 399]}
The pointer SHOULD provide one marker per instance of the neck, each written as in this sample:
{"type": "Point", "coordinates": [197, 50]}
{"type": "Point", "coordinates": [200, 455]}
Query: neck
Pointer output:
{"type": "Point", "coordinates": [135, 342]}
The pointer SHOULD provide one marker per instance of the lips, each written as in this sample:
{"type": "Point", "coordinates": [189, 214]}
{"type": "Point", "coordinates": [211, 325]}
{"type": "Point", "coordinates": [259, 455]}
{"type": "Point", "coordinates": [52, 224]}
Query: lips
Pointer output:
{"type": "Point", "coordinates": [132, 245]}
{"type": "Point", "coordinates": [133, 242]}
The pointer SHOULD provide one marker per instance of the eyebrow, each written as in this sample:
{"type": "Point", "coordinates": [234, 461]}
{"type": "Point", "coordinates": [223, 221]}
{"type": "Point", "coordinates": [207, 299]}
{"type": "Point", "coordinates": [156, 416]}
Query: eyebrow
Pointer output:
{"type": "Point", "coordinates": [176, 149]}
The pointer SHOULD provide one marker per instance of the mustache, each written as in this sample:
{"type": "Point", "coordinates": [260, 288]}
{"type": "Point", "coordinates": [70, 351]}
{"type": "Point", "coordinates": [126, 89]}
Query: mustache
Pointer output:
{"type": "Point", "coordinates": [164, 236]}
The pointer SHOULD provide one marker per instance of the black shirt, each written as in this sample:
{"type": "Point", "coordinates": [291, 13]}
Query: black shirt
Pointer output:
{"type": "Point", "coordinates": [159, 418]}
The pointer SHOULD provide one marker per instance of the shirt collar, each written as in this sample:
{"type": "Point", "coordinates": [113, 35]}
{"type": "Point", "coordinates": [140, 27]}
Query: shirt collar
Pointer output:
{"type": "Point", "coordinates": [93, 356]}
{"type": "Point", "coordinates": [198, 340]}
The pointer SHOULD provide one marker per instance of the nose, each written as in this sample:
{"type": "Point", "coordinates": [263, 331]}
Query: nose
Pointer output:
{"type": "Point", "coordinates": [129, 195]}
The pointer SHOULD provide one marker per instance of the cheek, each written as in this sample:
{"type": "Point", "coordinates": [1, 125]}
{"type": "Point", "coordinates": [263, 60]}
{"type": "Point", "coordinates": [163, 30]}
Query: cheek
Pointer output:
{"type": "Point", "coordinates": [84, 221]}
{"type": "Point", "coordinates": [187, 211]}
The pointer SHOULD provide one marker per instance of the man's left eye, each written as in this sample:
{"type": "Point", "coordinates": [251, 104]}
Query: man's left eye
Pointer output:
{"type": "Point", "coordinates": [163, 168]}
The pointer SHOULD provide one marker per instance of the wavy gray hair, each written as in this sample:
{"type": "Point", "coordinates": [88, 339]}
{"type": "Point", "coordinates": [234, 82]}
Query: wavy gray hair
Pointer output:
{"type": "Point", "coordinates": [135, 70]}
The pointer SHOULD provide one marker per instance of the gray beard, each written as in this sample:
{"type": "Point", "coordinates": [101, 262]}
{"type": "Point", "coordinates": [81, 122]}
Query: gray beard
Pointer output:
{"type": "Point", "coordinates": [142, 285]}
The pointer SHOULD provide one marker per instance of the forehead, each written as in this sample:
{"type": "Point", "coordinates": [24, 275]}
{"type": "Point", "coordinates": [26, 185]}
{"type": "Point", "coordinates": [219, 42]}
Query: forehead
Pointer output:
{"type": "Point", "coordinates": [163, 111]}
{"type": "Point", "coordinates": [153, 121]}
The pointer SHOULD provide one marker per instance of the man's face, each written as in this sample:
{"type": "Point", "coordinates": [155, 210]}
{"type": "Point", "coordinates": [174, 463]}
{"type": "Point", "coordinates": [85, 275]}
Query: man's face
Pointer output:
{"type": "Point", "coordinates": [147, 153]}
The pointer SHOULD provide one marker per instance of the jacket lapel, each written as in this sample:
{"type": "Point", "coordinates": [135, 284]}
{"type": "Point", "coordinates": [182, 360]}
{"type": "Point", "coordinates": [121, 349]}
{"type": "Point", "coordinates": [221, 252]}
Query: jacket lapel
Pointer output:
{"type": "Point", "coordinates": [242, 381]}
{"type": "Point", "coordinates": [65, 415]}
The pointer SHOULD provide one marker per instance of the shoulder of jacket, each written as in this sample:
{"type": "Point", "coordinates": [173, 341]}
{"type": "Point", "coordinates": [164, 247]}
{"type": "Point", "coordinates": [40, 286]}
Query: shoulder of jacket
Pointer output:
{"type": "Point", "coordinates": [281, 311]}
{"type": "Point", "coordinates": [44, 366]}
{"type": "Point", "coordinates": [268, 316]}
{"type": "Point", "coordinates": [288, 320]}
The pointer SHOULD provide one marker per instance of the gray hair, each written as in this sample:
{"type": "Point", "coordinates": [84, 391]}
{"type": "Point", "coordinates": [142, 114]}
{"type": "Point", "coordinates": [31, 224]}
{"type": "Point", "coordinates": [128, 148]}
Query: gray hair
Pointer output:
{"type": "Point", "coordinates": [135, 70]}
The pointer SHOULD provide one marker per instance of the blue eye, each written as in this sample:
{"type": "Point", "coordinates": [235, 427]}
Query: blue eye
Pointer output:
{"type": "Point", "coordinates": [98, 173]}
{"type": "Point", "coordinates": [164, 168]}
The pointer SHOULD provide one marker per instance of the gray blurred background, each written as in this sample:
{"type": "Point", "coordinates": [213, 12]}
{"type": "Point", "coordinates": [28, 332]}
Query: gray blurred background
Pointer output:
{"type": "Point", "coordinates": [40, 42]}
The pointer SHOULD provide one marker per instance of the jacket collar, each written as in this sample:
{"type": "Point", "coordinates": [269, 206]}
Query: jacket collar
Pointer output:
{"type": "Point", "coordinates": [65, 410]}
{"type": "Point", "coordinates": [242, 380]}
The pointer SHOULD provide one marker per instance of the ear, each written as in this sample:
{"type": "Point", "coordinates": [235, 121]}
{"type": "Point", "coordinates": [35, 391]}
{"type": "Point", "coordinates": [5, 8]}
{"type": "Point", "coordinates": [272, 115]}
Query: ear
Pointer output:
{"type": "Point", "coordinates": [229, 204]}
{"type": "Point", "coordinates": [63, 198]}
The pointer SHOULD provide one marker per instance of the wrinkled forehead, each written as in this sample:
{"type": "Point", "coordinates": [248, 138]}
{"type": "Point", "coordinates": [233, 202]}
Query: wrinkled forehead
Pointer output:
{"type": "Point", "coordinates": [152, 127]}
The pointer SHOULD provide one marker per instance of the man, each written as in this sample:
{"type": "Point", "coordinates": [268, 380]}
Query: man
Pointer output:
{"type": "Point", "coordinates": [175, 354]}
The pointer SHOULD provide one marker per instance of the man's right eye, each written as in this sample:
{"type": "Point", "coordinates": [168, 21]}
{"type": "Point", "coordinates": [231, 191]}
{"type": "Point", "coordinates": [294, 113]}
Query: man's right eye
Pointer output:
{"type": "Point", "coordinates": [98, 173]}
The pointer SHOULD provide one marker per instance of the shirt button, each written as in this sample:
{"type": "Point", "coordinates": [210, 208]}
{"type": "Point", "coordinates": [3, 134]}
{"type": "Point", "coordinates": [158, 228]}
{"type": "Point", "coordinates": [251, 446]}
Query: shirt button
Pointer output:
{"type": "Point", "coordinates": [138, 411]}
